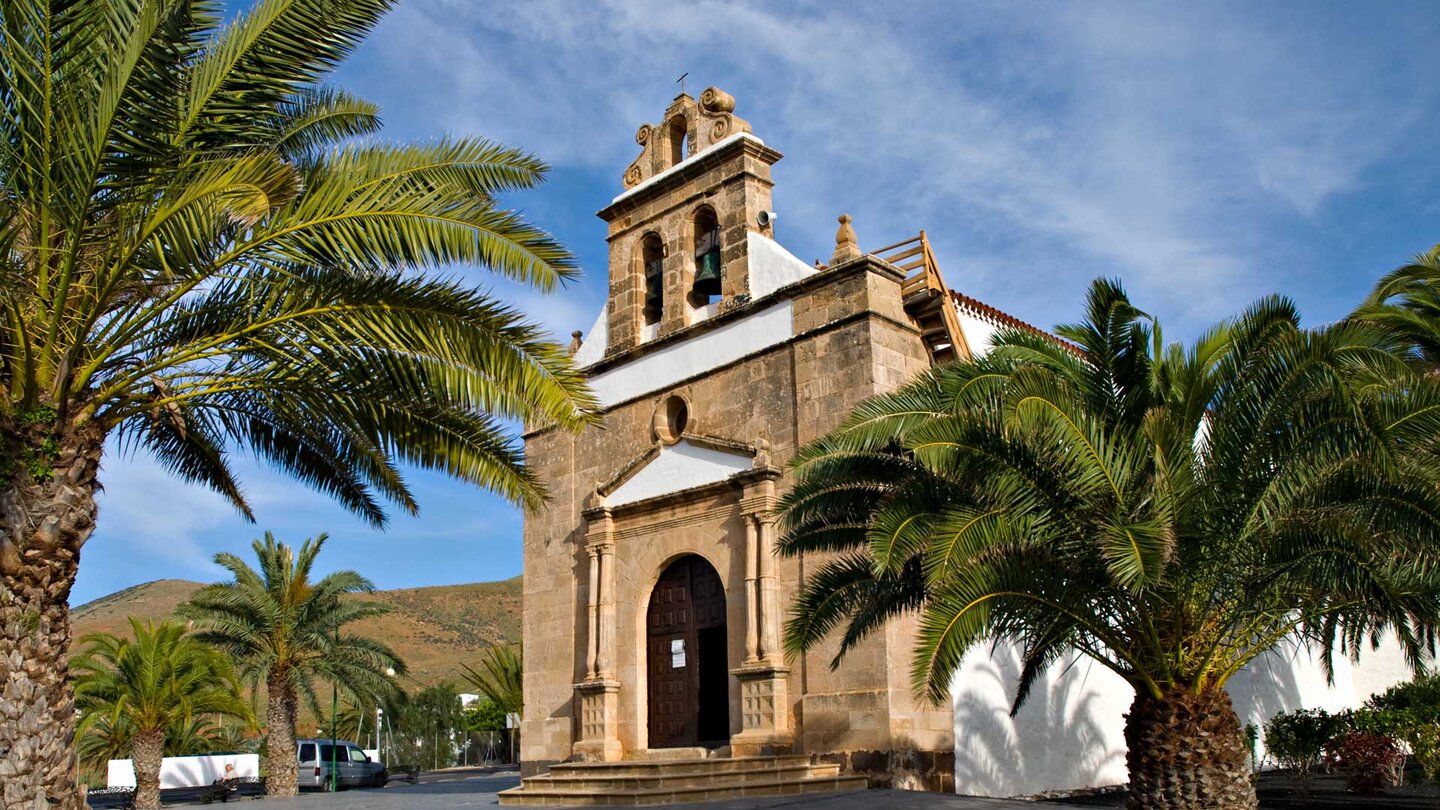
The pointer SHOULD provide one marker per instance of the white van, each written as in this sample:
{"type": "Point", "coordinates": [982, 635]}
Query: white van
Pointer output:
{"type": "Point", "coordinates": [353, 767]}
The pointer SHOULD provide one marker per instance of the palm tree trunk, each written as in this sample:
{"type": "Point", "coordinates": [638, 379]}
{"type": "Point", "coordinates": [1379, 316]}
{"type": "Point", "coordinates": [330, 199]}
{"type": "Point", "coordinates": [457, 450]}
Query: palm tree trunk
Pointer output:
{"type": "Point", "coordinates": [147, 752]}
{"type": "Point", "coordinates": [44, 520]}
{"type": "Point", "coordinates": [1186, 752]}
{"type": "Point", "coordinates": [280, 766]}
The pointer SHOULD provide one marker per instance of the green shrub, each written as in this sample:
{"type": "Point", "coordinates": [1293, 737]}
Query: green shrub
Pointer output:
{"type": "Point", "coordinates": [1424, 742]}
{"type": "Point", "coordinates": [1297, 740]}
{"type": "Point", "coordinates": [1411, 712]}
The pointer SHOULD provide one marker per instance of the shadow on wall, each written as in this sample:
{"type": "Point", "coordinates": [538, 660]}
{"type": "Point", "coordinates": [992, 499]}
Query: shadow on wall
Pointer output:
{"type": "Point", "coordinates": [1069, 734]}
{"type": "Point", "coordinates": [1286, 678]}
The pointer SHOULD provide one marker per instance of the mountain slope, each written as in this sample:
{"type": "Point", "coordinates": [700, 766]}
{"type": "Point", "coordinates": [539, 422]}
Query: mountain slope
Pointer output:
{"type": "Point", "coordinates": [434, 630]}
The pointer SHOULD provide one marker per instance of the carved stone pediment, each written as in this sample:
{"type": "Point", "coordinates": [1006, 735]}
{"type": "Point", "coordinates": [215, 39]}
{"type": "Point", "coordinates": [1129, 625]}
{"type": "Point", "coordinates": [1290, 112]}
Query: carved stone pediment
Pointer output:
{"type": "Point", "coordinates": [703, 124]}
{"type": "Point", "coordinates": [694, 461]}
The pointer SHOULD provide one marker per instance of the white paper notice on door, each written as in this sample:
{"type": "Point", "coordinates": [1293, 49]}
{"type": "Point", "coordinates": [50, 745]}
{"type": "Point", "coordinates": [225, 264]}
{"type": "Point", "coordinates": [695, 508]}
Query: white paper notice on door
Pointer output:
{"type": "Point", "coordinates": [677, 653]}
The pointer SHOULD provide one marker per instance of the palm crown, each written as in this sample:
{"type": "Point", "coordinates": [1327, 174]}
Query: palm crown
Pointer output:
{"type": "Point", "coordinates": [155, 680]}
{"type": "Point", "coordinates": [140, 694]}
{"type": "Point", "coordinates": [198, 253]}
{"type": "Point", "coordinates": [1407, 302]}
{"type": "Point", "coordinates": [1170, 512]}
{"type": "Point", "coordinates": [277, 621]}
{"type": "Point", "coordinates": [500, 678]}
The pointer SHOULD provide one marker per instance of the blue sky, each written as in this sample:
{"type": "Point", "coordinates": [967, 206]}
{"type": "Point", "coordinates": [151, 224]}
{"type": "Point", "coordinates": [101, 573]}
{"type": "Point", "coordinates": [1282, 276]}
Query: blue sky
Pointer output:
{"type": "Point", "coordinates": [1204, 153]}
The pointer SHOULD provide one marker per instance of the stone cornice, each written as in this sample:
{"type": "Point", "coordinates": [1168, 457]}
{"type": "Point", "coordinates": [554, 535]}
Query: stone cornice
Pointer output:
{"type": "Point", "coordinates": [744, 145]}
{"type": "Point", "coordinates": [828, 326]}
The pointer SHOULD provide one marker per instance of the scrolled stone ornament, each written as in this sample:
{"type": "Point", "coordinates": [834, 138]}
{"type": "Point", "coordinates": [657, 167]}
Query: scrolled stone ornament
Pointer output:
{"type": "Point", "coordinates": [642, 135]}
{"type": "Point", "coordinates": [715, 100]}
{"type": "Point", "coordinates": [632, 175]}
{"type": "Point", "coordinates": [719, 129]}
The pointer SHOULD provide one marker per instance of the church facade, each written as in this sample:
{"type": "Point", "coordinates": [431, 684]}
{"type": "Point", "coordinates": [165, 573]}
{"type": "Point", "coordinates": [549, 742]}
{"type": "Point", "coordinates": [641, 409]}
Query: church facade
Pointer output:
{"type": "Point", "coordinates": [654, 601]}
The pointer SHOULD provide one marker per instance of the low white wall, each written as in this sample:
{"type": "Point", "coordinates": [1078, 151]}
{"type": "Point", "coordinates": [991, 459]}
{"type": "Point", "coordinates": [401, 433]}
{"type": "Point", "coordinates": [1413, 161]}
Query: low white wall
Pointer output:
{"type": "Point", "coordinates": [1070, 733]}
{"type": "Point", "coordinates": [176, 772]}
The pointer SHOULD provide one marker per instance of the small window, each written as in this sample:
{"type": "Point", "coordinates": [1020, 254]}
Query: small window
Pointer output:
{"type": "Point", "coordinates": [677, 140]}
{"type": "Point", "coordinates": [706, 288]}
{"type": "Point", "coordinates": [327, 753]}
{"type": "Point", "coordinates": [307, 752]}
{"type": "Point", "coordinates": [672, 419]}
{"type": "Point", "coordinates": [356, 755]}
{"type": "Point", "coordinates": [652, 255]}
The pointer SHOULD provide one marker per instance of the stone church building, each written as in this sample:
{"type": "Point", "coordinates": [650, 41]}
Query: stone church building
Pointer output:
{"type": "Point", "coordinates": [653, 600]}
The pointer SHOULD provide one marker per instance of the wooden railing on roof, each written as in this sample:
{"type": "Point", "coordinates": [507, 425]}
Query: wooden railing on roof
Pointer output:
{"type": "Point", "coordinates": [927, 299]}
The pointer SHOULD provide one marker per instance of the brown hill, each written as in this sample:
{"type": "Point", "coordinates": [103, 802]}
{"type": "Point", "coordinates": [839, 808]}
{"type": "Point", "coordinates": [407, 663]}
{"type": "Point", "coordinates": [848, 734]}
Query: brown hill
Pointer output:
{"type": "Point", "coordinates": [434, 630]}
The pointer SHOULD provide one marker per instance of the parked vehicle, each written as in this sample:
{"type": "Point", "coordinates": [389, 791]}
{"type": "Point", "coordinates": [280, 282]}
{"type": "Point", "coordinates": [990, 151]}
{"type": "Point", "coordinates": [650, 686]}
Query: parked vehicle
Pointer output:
{"type": "Point", "coordinates": [353, 767]}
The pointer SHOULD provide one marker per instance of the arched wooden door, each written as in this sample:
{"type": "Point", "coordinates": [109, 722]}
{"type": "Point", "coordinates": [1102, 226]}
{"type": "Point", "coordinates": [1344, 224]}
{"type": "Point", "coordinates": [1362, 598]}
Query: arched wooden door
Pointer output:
{"type": "Point", "coordinates": [686, 661]}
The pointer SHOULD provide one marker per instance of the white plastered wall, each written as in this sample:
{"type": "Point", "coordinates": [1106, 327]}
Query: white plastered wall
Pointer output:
{"type": "Point", "coordinates": [1070, 734]}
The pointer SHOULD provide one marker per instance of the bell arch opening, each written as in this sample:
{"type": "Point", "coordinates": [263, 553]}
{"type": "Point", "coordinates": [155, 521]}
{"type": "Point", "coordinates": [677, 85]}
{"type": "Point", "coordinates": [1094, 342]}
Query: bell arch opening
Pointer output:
{"type": "Point", "coordinates": [676, 140]}
{"type": "Point", "coordinates": [686, 657]}
{"type": "Point", "coordinates": [705, 289]}
{"type": "Point", "coordinates": [652, 263]}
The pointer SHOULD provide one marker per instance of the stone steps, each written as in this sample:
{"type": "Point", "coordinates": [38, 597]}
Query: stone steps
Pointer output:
{"type": "Point", "coordinates": [664, 766]}
{"type": "Point", "coordinates": [636, 782]}
{"type": "Point", "coordinates": [719, 779]}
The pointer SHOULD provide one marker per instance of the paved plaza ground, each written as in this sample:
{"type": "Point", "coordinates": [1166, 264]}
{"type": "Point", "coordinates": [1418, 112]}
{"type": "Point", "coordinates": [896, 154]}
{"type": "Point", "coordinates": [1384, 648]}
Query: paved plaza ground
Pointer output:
{"type": "Point", "coordinates": [443, 790]}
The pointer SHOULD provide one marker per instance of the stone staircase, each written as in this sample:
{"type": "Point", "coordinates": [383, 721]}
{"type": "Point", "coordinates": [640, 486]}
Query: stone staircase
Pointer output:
{"type": "Point", "coordinates": [639, 782]}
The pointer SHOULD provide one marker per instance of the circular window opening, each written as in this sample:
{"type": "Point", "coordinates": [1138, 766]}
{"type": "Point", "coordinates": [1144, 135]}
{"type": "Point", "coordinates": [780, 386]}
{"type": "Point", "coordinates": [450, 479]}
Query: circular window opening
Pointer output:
{"type": "Point", "coordinates": [672, 418]}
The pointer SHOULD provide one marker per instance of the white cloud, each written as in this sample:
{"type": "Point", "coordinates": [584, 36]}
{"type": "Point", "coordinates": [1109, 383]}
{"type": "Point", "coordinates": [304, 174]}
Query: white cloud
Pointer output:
{"type": "Point", "coordinates": [157, 515]}
{"type": "Point", "coordinates": [1040, 145]}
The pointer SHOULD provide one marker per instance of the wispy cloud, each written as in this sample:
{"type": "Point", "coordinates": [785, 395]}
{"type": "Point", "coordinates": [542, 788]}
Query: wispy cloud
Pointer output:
{"type": "Point", "coordinates": [163, 523]}
{"type": "Point", "coordinates": [1040, 144]}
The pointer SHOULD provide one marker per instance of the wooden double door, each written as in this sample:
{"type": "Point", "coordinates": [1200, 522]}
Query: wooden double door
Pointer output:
{"type": "Point", "coordinates": [686, 659]}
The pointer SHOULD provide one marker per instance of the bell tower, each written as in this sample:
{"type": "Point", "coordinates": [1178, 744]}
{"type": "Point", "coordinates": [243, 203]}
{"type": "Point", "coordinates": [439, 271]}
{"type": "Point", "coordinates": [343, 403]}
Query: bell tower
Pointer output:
{"type": "Point", "coordinates": [678, 233]}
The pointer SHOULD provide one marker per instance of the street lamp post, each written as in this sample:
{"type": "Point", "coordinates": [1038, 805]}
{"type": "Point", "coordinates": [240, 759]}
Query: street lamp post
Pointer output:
{"type": "Point", "coordinates": [334, 710]}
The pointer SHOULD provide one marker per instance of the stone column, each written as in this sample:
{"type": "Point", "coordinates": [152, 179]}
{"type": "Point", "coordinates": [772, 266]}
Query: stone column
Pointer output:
{"type": "Point", "coordinates": [605, 635]}
{"type": "Point", "coordinates": [592, 634]}
{"type": "Point", "coordinates": [599, 693]}
{"type": "Point", "coordinates": [769, 590]}
{"type": "Point", "coordinates": [752, 601]}
{"type": "Point", "coordinates": [764, 680]}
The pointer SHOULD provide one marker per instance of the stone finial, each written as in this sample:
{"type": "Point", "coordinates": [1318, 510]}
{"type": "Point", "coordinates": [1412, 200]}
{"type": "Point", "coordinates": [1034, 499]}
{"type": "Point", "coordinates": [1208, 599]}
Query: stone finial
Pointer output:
{"type": "Point", "coordinates": [762, 454]}
{"type": "Point", "coordinates": [575, 341]}
{"type": "Point", "coordinates": [847, 247]}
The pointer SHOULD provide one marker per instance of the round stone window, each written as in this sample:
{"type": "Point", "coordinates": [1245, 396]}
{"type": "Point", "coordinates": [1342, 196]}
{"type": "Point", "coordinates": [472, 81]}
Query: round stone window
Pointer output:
{"type": "Point", "coordinates": [672, 419]}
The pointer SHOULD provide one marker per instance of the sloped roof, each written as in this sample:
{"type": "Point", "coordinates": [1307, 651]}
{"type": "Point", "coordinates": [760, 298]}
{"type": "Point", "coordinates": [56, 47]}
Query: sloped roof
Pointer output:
{"type": "Point", "coordinates": [1004, 320]}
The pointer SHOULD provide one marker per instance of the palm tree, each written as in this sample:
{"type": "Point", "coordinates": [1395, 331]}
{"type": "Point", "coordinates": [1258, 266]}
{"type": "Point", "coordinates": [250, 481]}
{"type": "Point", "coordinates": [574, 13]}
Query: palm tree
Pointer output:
{"type": "Point", "coordinates": [151, 686]}
{"type": "Point", "coordinates": [283, 629]}
{"type": "Point", "coordinates": [198, 256]}
{"type": "Point", "coordinates": [501, 681]}
{"type": "Point", "coordinates": [104, 737]}
{"type": "Point", "coordinates": [1170, 512]}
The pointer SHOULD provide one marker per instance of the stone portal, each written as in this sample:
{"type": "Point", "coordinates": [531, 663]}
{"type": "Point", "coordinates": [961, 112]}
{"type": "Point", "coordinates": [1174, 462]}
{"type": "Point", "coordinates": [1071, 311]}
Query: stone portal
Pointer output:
{"type": "Point", "coordinates": [686, 661]}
